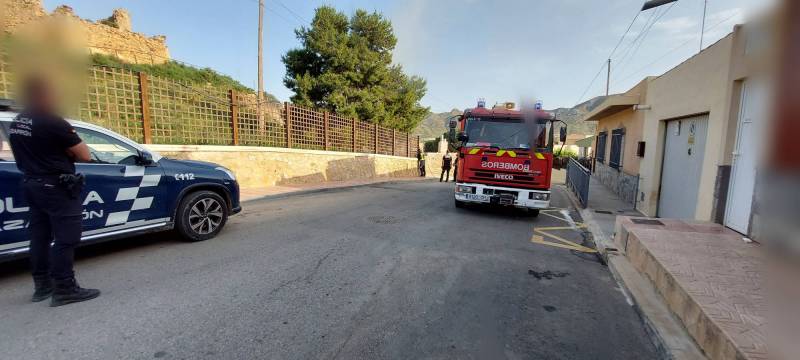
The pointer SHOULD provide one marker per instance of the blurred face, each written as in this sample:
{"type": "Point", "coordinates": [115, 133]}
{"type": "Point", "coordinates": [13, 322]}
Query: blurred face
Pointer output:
{"type": "Point", "coordinates": [40, 97]}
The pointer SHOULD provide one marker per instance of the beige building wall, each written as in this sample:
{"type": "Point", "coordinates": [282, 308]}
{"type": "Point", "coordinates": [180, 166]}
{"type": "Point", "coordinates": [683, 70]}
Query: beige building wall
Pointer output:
{"type": "Point", "coordinates": [701, 85]}
{"type": "Point", "coordinates": [631, 121]}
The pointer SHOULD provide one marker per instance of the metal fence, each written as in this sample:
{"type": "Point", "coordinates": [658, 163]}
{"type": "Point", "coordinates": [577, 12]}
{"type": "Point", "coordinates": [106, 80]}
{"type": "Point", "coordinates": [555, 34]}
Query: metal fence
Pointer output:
{"type": "Point", "coordinates": [578, 178]}
{"type": "Point", "coordinates": [154, 110]}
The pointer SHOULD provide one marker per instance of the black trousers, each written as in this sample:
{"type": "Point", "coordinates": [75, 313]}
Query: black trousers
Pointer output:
{"type": "Point", "coordinates": [55, 217]}
{"type": "Point", "coordinates": [443, 176]}
{"type": "Point", "coordinates": [421, 166]}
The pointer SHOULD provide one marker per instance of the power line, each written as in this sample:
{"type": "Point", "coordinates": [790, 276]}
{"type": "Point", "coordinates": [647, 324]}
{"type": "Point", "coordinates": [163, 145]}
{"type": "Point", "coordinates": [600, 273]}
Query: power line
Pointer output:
{"type": "Point", "coordinates": [654, 16]}
{"type": "Point", "coordinates": [605, 62]}
{"type": "Point", "coordinates": [676, 48]}
{"type": "Point", "coordinates": [625, 34]}
{"type": "Point", "coordinates": [626, 60]}
{"type": "Point", "coordinates": [297, 16]}
{"type": "Point", "coordinates": [288, 21]}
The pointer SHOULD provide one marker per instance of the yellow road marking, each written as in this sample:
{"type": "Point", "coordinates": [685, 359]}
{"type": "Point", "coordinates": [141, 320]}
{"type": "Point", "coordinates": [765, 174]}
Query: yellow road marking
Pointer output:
{"type": "Point", "coordinates": [540, 233]}
{"type": "Point", "coordinates": [552, 216]}
{"type": "Point", "coordinates": [540, 240]}
{"type": "Point", "coordinates": [565, 244]}
{"type": "Point", "coordinates": [551, 228]}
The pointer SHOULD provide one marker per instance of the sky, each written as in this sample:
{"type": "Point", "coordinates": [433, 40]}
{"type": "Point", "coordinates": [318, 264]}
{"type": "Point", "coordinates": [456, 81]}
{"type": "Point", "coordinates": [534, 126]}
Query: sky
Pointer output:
{"type": "Point", "coordinates": [502, 50]}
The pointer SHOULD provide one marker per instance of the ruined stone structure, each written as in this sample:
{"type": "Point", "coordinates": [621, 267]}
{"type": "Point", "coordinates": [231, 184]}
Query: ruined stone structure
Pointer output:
{"type": "Point", "coordinates": [111, 36]}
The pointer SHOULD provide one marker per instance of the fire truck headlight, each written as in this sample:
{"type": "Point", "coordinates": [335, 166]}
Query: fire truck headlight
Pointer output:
{"type": "Point", "coordinates": [465, 189]}
{"type": "Point", "coordinates": [539, 196]}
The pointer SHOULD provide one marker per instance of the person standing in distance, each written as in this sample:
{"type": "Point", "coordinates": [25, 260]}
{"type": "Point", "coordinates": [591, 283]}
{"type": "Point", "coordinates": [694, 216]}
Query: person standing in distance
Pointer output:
{"type": "Point", "coordinates": [421, 162]}
{"type": "Point", "coordinates": [447, 162]}
{"type": "Point", "coordinates": [46, 148]}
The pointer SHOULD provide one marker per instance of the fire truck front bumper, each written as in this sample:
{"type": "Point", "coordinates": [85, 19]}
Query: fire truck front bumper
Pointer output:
{"type": "Point", "coordinates": [487, 194]}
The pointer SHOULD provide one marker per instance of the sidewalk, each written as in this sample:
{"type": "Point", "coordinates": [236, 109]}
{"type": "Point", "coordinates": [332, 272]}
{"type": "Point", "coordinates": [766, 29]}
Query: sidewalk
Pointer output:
{"type": "Point", "coordinates": [250, 194]}
{"type": "Point", "coordinates": [601, 213]}
{"type": "Point", "coordinates": [667, 333]}
{"type": "Point", "coordinates": [696, 285]}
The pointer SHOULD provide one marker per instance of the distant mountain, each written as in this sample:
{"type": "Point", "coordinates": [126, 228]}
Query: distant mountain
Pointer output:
{"type": "Point", "coordinates": [435, 124]}
{"type": "Point", "coordinates": [572, 116]}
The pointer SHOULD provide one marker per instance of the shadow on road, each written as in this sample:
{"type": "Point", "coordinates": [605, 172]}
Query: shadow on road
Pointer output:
{"type": "Point", "coordinates": [500, 212]}
{"type": "Point", "coordinates": [20, 265]}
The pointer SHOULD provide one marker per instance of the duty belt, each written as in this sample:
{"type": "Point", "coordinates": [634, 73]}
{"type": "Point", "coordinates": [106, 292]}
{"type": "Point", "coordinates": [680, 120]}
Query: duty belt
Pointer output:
{"type": "Point", "coordinates": [72, 182]}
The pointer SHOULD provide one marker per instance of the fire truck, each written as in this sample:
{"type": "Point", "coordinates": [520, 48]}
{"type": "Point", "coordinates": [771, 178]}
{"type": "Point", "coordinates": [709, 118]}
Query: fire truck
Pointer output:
{"type": "Point", "coordinates": [505, 156]}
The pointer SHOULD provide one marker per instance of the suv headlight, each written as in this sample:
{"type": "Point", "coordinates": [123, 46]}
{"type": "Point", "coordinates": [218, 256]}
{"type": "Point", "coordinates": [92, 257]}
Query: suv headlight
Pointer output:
{"type": "Point", "coordinates": [227, 172]}
{"type": "Point", "coordinates": [465, 189]}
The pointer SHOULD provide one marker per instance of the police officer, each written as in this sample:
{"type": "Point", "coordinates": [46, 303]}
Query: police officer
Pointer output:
{"type": "Point", "coordinates": [46, 148]}
{"type": "Point", "coordinates": [421, 162]}
{"type": "Point", "coordinates": [447, 161]}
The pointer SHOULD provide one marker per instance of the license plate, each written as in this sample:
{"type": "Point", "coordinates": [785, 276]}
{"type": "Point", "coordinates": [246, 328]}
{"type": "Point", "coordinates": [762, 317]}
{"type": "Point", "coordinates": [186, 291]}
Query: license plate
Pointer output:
{"type": "Point", "coordinates": [477, 197]}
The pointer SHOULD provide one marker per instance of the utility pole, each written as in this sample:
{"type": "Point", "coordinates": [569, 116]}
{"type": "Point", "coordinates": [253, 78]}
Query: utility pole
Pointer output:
{"type": "Point", "coordinates": [703, 27]}
{"type": "Point", "coordinates": [608, 79]}
{"type": "Point", "coordinates": [260, 63]}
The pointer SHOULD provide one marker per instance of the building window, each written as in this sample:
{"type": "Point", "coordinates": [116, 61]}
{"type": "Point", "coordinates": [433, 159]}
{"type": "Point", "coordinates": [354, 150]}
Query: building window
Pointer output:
{"type": "Point", "coordinates": [601, 146]}
{"type": "Point", "coordinates": [617, 144]}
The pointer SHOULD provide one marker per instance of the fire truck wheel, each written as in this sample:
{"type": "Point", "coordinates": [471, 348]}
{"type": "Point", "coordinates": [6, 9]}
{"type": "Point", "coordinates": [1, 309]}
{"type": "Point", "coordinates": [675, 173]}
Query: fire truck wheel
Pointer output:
{"type": "Point", "coordinates": [459, 204]}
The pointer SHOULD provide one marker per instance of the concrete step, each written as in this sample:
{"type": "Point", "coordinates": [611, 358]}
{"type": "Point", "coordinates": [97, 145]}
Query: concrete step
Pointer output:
{"type": "Point", "coordinates": [708, 277]}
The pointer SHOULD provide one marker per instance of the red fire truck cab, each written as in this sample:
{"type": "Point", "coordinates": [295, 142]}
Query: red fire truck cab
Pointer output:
{"type": "Point", "coordinates": [503, 157]}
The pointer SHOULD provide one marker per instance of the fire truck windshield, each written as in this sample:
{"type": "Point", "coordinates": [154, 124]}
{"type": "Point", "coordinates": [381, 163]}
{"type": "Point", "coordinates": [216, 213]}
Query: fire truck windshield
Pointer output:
{"type": "Point", "coordinates": [502, 133]}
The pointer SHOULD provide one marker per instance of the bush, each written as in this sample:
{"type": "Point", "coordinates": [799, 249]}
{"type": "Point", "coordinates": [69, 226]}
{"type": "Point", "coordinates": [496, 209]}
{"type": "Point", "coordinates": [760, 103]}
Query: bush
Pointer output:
{"type": "Point", "coordinates": [566, 154]}
{"type": "Point", "coordinates": [431, 145]}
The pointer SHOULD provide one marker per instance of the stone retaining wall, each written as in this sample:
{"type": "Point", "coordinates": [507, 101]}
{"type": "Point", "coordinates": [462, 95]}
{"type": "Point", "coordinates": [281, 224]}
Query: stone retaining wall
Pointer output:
{"type": "Point", "coordinates": [263, 166]}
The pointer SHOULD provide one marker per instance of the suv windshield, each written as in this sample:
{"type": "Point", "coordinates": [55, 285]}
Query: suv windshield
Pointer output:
{"type": "Point", "coordinates": [502, 133]}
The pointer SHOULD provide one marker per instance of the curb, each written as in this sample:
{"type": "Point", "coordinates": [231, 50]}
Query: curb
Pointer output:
{"type": "Point", "coordinates": [327, 189]}
{"type": "Point", "coordinates": [666, 332]}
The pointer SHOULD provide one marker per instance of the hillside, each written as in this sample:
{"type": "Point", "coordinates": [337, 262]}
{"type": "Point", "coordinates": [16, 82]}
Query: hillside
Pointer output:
{"type": "Point", "coordinates": [435, 124]}
{"type": "Point", "coordinates": [572, 117]}
{"type": "Point", "coordinates": [174, 70]}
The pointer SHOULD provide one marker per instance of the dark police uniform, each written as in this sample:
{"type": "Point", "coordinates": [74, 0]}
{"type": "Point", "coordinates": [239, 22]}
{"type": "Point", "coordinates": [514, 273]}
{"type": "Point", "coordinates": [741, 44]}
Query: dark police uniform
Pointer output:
{"type": "Point", "coordinates": [446, 163]}
{"type": "Point", "coordinates": [39, 143]}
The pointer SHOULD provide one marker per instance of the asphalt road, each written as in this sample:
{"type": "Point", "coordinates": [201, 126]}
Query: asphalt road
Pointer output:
{"type": "Point", "coordinates": [388, 271]}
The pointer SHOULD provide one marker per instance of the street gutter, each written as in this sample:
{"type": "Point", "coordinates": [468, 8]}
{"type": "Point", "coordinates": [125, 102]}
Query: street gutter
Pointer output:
{"type": "Point", "coordinates": [667, 333]}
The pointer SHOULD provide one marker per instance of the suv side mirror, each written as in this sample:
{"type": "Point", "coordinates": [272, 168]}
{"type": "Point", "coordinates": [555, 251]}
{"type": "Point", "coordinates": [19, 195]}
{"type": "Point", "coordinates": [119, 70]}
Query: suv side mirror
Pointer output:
{"type": "Point", "coordinates": [144, 159]}
{"type": "Point", "coordinates": [562, 134]}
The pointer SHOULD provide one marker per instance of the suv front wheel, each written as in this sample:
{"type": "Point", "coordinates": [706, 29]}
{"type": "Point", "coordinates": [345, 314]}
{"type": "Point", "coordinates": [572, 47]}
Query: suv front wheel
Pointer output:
{"type": "Point", "coordinates": [201, 216]}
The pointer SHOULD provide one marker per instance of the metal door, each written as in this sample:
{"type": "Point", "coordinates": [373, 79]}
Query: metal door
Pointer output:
{"type": "Point", "coordinates": [684, 148]}
{"type": "Point", "coordinates": [743, 171]}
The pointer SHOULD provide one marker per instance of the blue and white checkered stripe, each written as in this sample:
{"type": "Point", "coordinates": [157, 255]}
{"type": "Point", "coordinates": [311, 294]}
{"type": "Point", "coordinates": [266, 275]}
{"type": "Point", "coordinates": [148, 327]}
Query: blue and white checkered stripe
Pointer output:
{"type": "Point", "coordinates": [132, 193]}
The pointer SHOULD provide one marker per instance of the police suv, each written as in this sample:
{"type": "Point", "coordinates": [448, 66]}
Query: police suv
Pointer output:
{"type": "Point", "coordinates": [129, 190]}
